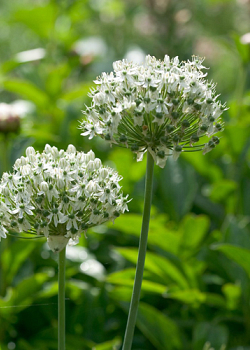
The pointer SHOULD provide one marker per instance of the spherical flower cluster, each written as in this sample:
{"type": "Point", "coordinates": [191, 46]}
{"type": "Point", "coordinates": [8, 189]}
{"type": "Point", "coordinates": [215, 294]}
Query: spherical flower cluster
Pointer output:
{"type": "Point", "coordinates": [164, 107]}
{"type": "Point", "coordinates": [9, 119]}
{"type": "Point", "coordinates": [59, 195]}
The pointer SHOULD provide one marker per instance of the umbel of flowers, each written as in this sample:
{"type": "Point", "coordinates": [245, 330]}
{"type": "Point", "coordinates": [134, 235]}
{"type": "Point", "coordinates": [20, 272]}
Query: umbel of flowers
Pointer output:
{"type": "Point", "coordinates": [59, 194]}
{"type": "Point", "coordinates": [164, 107]}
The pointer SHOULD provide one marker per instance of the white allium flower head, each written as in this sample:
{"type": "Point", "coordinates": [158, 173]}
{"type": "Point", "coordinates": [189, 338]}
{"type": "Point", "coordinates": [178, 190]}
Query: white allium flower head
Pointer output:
{"type": "Point", "coordinates": [57, 194]}
{"type": "Point", "coordinates": [164, 107]}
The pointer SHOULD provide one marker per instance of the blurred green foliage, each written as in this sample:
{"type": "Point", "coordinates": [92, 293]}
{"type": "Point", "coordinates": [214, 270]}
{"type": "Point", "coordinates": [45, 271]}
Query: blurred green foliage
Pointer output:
{"type": "Point", "coordinates": [196, 289]}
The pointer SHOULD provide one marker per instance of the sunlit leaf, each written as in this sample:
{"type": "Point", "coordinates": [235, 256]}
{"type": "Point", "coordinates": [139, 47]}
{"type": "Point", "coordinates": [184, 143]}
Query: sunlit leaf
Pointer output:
{"type": "Point", "coordinates": [159, 234]}
{"type": "Point", "coordinates": [160, 266]}
{"type": "Point", "coordinates": [232, 293]}
{"type": "Point", "coordinates": [222, 189]}
{"type": "Point", "coordinates": [109, 345]}
{"type": "Point", "coordinates": [201, 165]}
{"type": "Point", "coordinates": [126, 278]}
{"type": "Point", "coordinates": [195, 298]}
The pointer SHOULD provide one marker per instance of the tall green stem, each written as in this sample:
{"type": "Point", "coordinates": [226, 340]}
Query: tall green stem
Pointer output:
{"type": "Point", "coordinates": [141, 256]}
{"type": "Point", "coordinates": [61, 300]}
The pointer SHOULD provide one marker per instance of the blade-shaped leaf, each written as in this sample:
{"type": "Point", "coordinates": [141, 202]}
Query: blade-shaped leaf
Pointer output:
{"type": "Point", "coordinates": [162, 267]}
{"type": "Point", "coordinates": [158, 328]}
{"type": "Point", "coordinates": [238, 254]}
{"type": "Point", "coordinates": [195, 297]}
{"type": "Point", "coordinates": [27, 90]}
{"type": "Point", "coordinates": [126, 278]}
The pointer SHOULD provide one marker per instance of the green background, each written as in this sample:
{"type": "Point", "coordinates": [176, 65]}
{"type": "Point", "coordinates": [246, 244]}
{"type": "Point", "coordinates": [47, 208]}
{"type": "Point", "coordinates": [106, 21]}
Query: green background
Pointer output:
{"type": "Point", "coordinates": [196, 287]}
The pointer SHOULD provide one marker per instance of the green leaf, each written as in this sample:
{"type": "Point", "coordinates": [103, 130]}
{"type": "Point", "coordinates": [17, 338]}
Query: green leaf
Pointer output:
{"type": "Point", "coordinates": [240, 255]}
{"type": "Point", "coordinates": [126, 278]}
{"type": "Point", "coordinates": [55, 79]}
{"type": "Point", "coordinates": [158, 328]}
{"type": "Point", "coordinates": [177, 187]}
{"type": "Point", "coordinates": [27, 90]}
{"type": "Point", "coordinates": [201, 164]}
{"type": "Point", "coordinates": [125, 164]}
{"type": "Point", "coordinates": [79, 91]}
{"type": "Point", "coordinates": [40, 19]}
{"type": "Point", "coordinates": [232, 293]}
{"type": "Point", "coordinates": [242, 49]}
{"type": "Point", "coordinates": [119, 294]}
{"type": "Point", "coordinates": [192, 230]}
{"type": "Point", "coordinates": [47, 339]}
{"type": "Point", "coordinates": [159, 234]}
{"type": "Point", "coordinates": [23, 295]}
{"type": "Point", "coordinates": [195, 298]}
{"type": "Point", "coordinates": [215, 334]}
{"type": "Point", "coordinates": [109, 345]}
{"type": "Point", "coordinates": [222, 189]}
{"type": "Point", "coordinates": [158, 265]}
{"type": "Point", "coordinates": [24, 292]}
{"type": "Point", "coordinates": [14, 257]}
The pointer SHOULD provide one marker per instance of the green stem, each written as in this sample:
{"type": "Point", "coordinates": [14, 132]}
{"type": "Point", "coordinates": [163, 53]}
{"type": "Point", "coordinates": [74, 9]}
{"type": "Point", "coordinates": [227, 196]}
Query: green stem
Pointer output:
{"type": "Point", "coordinates": [61, 300]}
{"type": "Point", "coordinates": [141, 256]}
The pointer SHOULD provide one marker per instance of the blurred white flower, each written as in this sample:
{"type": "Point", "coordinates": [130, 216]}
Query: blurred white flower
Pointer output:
{"type": "Point", "coordinates": [9, 119]}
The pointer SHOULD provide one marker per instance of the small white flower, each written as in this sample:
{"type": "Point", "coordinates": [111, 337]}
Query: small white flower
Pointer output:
{"type": "Point", "coordinates": [30, 151]}
{"type": "Point", "coordinates": [71, 149]}
{"type": "Point", "coordinates": [22, 208]}
{"type": "Point", "coordinates": [44, 186]}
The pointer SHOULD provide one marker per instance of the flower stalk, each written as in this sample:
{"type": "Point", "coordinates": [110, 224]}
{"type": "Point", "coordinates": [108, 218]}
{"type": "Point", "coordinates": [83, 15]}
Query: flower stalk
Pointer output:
{"type": "Point", "coordinates": [141, 255]}
{"type": "Point", "coordinates": [61, 299]}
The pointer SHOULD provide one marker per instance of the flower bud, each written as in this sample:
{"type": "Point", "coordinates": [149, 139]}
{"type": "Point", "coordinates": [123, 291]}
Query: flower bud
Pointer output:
{"type": "Point", "coordinates": [91, 166]}
{"type": "Point", "coordinates": [63, 163]}
{"type": "Point", "coordinates": [54, 152]}
{"type": "Point", "coordinates": [30, 151]}
{"type": "Point", "coordinates": [17, 163]}
{"type": "Point", "coordinates": [97, 163]}
{"type": "Point", "coordinates": [48, 148]}
{"type": "Point", "coordinates": [57, 243]}
{"type": "Point", "coordinates": [60, 183]}
{"type": "Point", "coordinates": [5, 191]}
{"type": "Point", "coordinates": [44, 186]}
{"type": "Point", "coordinates": [103, 173]}
{"type": "Point", "coordinates": [92, 187]}
{"type": "Point", "coordinates": [71, 149]}
{"type": "Point", "coordinates": [23, 161]}
{"type": "Point", "coordinates": [90, 156]}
